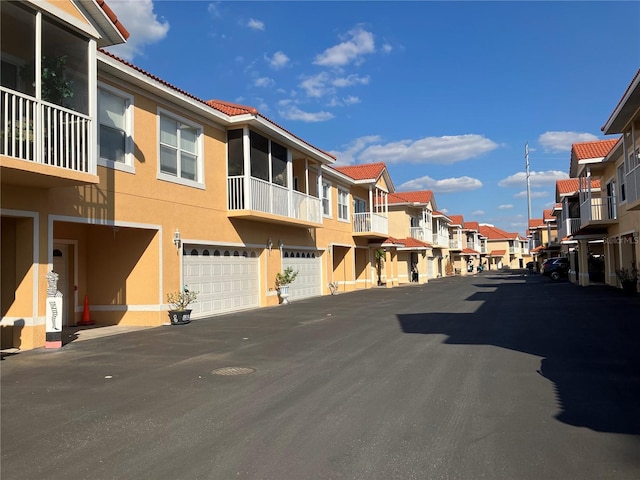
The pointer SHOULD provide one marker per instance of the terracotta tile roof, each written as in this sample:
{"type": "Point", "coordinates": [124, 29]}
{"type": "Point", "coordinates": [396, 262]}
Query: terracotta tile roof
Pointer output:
{"type": "Point", "coordinates": [228, 108]}
{"type": "Point", "coordinates": [457, 220]}
{"type": "Point", "coordinates": [537, 249]}
{"type": "Point", "coordinates": [472, 226]}
{"type": "Point", "coordinates": [365, 171]}
{"type": "Point", "coordinates": [595, 149]}
{"type": "Point", "coordinates": [470, 251]}
{"type": "Point", "coordinates": [414, 243]}
{"type": "Point", "coordinates": [389, 242]}
{"type": "Point", "coordinates": [437, 213]}
{"type": "Point", "coordinates": [497, 253]}
{"type": "Point", "coordinates": [536, 223]}
{"type": "Point", "coordinates": [114, 18]}
{"type": "Point", "coordinates": [420, 196]}
{"type": "Point", "coordinates": [548, 215]}
{"type": "Point", "coordinates": [232, 109]}
{"type": "Point", "coordinates": [495, 233]}
{"type": "Point", "coordinates": [570, 186]}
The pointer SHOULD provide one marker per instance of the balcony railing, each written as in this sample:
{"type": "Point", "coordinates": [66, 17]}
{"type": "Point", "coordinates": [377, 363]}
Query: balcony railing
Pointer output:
{"type": "Point", "coordinates": [440, 239]}
{"type": "Point", "coordinates": [598, 208]}
{"type": "Point", "coordinates": [41, 132]}
{"type": "Point", "coordinates": [568, 227]}
{"type": "Point", "coordinates": [455, 244]}
{"type": "Point", "coordinates": [370, 223]}
{"type": "Point", "coordinates": [421, 233]}
{"type": "Point", "coordinates": [632, 185]}
{"type": "Point", "coordinates": [274, 199]}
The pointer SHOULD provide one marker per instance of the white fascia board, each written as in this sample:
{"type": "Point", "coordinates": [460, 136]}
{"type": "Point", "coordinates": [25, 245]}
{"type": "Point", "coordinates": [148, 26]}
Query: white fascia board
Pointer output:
{"type": "Point", "coordinates": [153, 86]}
{"type": "Point", "coordinates": [99, 17]}
{"type": "Point", "coordinates": [327, 170]}
{"type": "Point", "coordinates": [50, 8]}
{"type": "Point", "coordinates": [631, 90]}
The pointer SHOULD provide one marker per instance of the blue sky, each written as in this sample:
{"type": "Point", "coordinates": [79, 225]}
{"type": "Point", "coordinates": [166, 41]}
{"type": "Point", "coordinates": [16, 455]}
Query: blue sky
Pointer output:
{"type": "Point", "coordinates": [445, 93]}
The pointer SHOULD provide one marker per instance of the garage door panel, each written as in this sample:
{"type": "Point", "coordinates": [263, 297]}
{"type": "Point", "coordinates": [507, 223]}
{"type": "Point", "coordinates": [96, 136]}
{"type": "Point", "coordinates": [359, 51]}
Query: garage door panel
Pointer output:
{"type": "Point", "coordinates": [308, 283]}
{"type": "Point", "coordinates": [225, 282]}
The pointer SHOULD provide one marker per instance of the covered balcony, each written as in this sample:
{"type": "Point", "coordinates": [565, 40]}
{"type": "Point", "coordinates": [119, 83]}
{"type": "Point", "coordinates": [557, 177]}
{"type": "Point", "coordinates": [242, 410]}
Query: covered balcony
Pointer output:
{"type": "Point", "coordinates": [272, 203]}
{"type": "Point", "coordinates": [455, 244]}
{"type": "Point", "coordinates": [597, 213]}
{"type": "Point", "coordinates": [422, 233]}
{"type": "Point", "coordinates": [370, 225]}
{"type": "Point", "coordinates": [46, 134]}
{"type": "Point", "coordinates": [261, 185]}
{"type": "Point", "coordinates": [440, 240]}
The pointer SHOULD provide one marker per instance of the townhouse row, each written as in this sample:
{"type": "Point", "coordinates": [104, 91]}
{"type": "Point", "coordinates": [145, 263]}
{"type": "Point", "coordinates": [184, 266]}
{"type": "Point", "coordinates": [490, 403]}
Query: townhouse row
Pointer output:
{"type": "Point", "coordinates": [129, 188]}
{"type": "Point", "coordinates": [595, 221]}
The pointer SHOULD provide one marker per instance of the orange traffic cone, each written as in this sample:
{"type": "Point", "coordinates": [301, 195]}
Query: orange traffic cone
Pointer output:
{"type": "Point", "coordinates": [86, 317]}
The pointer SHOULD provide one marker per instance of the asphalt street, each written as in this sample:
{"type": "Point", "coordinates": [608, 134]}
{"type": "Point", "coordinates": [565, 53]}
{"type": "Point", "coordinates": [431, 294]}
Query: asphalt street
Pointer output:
{"type": "Point", "coordinates": [494, 376]}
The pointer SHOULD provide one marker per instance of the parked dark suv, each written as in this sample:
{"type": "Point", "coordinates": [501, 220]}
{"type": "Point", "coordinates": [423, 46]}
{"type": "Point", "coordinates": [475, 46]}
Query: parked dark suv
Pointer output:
{"type": "Point", "coordinates": [556, 268]}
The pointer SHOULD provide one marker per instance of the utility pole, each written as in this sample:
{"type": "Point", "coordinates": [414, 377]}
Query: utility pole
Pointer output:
{"type": "Point", "coordinates": [526, 157]}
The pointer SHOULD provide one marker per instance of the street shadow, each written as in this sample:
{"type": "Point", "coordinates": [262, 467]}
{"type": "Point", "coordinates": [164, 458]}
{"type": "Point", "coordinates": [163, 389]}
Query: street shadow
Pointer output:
{"type": "Point", "coordinates": [588, 338]}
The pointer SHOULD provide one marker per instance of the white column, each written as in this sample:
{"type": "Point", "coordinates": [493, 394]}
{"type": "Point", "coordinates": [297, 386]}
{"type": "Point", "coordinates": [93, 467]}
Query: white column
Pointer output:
{"type": "Point", "coordinates": [246, 149]}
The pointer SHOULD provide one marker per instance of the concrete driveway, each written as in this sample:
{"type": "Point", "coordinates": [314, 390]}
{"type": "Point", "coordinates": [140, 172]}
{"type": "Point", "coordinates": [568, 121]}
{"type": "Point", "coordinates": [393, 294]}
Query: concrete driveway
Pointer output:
{"type": "Point", "coordinates": [496, 376]}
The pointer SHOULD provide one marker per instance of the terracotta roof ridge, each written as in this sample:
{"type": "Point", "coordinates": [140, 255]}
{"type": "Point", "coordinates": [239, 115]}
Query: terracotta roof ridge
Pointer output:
{"type": "Point", "coordinates": [252, 110]}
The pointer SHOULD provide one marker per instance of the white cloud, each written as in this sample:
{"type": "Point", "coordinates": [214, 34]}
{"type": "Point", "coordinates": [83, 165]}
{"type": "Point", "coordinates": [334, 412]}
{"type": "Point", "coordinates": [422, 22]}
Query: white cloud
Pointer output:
{"type": "Point", "coordinates": [535, 178]}
{"type": "Point", "coordinates": [523, 194]}
{"type": "Point", "coordinates": [359, 43]}
{"type": "Point", "coordinates": [142, 24]}
{"type": "Point", "coordinates": [350, 80]}
{"type": "Point", "coordinates": [430, 150]}
{"type": "Point", "coordinates": [278, 60]}
{"type": "Point", "coordinates": [264, 82]}
{"type": "Point", "coordinates": [255, 24]}
{"type": "Point", "coordinates": [294, 113]}
{"type": "Point", "coordinates": [316, 85]}
{"type": "Point", "coordinates": [561, 141]}
{"type": "Point", "coordinates": [351, 100]}
{"type": "Point", "coordinates": [446, 185]}
{"type": "Point", "coordinates": [348, 155]}
{"type": "Point", "coordinates": [505, 207]}
{"type": "Point", "coordinates": [478, 213]}
{"type": "Point", "coordinates": [386, 48]}
{"type": "Point", "coordinates": [212, 8]}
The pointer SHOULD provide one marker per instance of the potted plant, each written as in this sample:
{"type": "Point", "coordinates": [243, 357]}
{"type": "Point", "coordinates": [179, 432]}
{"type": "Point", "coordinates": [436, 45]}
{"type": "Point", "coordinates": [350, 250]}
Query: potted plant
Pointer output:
{"type": "Point", "coordinates": [380, 255]}
{"type": "Point", "coordinates": [55, 86]}
{"type": "Point", "coordinates": [179, 314]}
{"type": "Point", "coordinates": [628, 278]}
{"type": "Point", "coordinates": [283, 280]}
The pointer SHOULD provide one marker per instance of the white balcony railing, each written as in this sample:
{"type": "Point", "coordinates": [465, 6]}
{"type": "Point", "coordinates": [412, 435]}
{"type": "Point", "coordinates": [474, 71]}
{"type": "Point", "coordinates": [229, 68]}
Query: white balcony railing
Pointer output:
{"type": "Point", "coordinates": [273, 199]}
{"type": "Point", "coordinates": [632, 185]}
{"type": "Point", "coordinates": [366, 222]}
{"type": "Point", "coordinates": [455, 244]}
{"type": "Point", "coordinates": [598, 208]}
{"type": "Point", "coordinates": [568, 227]}
{"type": "Point", "coordinates": [421, 233]}
{"type": "Point", "coordinates": [44, 133]}
{"type": "Point", "coordinates": [512, 250]}
{"type": "Point", "coordinates": [440, 239]}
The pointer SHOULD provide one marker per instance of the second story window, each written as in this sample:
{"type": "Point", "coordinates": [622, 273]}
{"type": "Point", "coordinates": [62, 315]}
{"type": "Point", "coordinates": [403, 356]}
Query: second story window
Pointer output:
{"type": "Point", "coordinates": [343, 204]}
{"type": "Point", "coordinates": [326, 199]}
{"type": "Point", "coordinates": [114, 130]}
{"type": "Point", "coordinates": [621, 183]}
{"type": "Point", "coordinates": [359, 205]}
{"type": "Point", "coordinates": [179, 149]}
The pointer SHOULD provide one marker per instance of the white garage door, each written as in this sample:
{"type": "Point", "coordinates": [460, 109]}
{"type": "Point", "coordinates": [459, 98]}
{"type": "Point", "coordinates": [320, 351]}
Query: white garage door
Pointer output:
{"type": "Point", "coordinates": [308, 283]}
{"type": "Point", "coordinates": [227, 279]}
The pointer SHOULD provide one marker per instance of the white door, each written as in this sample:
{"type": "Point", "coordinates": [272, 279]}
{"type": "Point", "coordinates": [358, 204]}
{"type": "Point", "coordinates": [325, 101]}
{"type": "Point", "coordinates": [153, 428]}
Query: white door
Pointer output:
{"type": "Point", "coordinates": [308, 283]}
{"type": "Point", "coordinates": [61, 267]}
{"type": "Point", "coordinates": [226, 279]}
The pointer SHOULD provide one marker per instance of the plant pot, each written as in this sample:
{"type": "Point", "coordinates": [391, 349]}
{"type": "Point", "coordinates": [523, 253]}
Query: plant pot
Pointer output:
{"type": "Point", "coordinates": [180, 317]}
{"type": "Point", "coordinates": [283, 293]}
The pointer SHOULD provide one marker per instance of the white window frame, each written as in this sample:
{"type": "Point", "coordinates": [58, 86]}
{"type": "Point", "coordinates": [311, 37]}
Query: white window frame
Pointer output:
{"type": "Point", "coordinates": [621, 184]}
{"type": "Point", "coordinates": [361, 201]}
{"type": "Point", "coordinates": [345, 204]}
{"type": "Point", "coordinates": [329, 213]}
{"type": "Point", "coordinates": [199, 181]}
{"type": "Point", "coordinates": [128, 164]}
